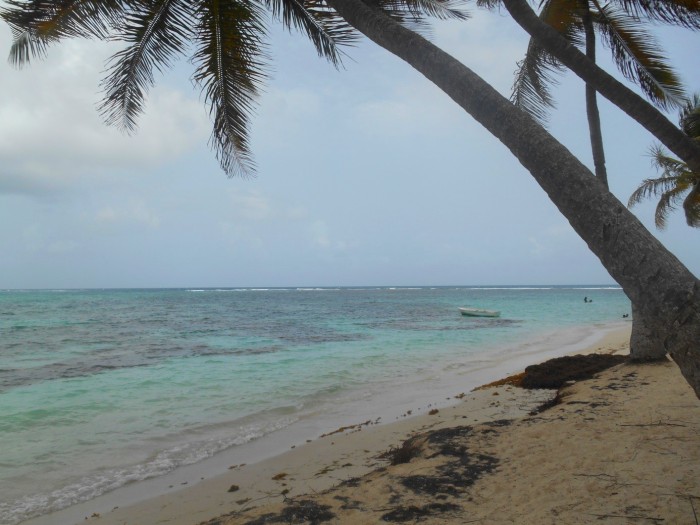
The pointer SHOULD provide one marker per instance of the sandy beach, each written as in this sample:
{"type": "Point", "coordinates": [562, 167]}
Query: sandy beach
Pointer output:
{"type": "Point", "coordinates": [622, 447]}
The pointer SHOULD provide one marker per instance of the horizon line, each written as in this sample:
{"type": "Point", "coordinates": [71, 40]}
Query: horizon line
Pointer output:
{"type": "Point", "coordinates": [314, 287]}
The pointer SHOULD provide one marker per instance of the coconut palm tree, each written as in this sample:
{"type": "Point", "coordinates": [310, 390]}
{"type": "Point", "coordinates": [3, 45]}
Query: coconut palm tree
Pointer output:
{"type": "Point", "coordinates": [634, 50]}
{"type": "Point", "coordinates": [685, 14]}
{"type": "Point", "coordinates": [653, 278]}
{"type": "Point", "coordinates": [678, 184]}
{"type": "Point", "coordinates": [563, 22]}
{"type": "Point", "coordinates": [545, 158]}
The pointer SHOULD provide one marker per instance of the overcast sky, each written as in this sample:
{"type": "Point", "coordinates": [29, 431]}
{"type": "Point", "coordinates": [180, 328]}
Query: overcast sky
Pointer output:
{"type": "Point", "coordinates": [366, 176]}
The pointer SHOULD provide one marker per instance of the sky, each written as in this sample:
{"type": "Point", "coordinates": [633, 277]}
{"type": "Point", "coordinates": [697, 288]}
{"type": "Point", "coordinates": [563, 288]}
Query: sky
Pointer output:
{"type": "Point", "coordinates": [367, 175]}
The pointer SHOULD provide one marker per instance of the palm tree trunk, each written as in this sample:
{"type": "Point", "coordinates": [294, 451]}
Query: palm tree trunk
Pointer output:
{"type": "Point", "coordinates": [594, 127]}
{"type": "Point", "coordinates": [645, 343]}
{"type": "Point", "coordinates": [616, 92]}
{"type": "Point", "coordinates": [653, 278]}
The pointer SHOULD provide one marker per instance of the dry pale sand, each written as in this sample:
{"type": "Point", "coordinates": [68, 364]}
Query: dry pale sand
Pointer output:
{"type": "Point", "coordinates": [623, 447]}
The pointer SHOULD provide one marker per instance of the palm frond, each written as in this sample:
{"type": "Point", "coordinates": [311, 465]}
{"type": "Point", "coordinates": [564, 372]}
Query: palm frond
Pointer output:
{"type": "Point", "coordinates": [65, 18]}
{"type": "Point", "coordinates": [683, 13]}
{"type": "Point", "coordinates": [24, 19]}
{"type": "Point", "coordinates": [676, 179]}
{"type": "Point", "coordinates": [535, 73]}
{"type": "Point", "coordinates": [38, 23]}
{"type": "Point", "coordinates": [25, 47]}
{"type": "Point", "coordinates": [652, 188]}
{"type": "Point", "coordinates": [326, 30]}
{"type": "Point", "coordinates": [691, 206]}
{"type": "Point", "coordinates": [566, 17]}
{"type": "Point", "coordinates": [440, 9]}
{"type": "Point", "coordinates": [156, 32]}
{"type": "Point", "coordinates": [669, 166]}
{"type": "Point", "coordinates": [413, 20]}
{"type": "Point", "coordinates": [488, 4]}
{"type": "Point", "coordinates": [538, 69]}
{"type": "Point", "coordinates": [690, 117]}
{"type": "Point", "coordinates": [229, 61]}
{"type": "Point", "coordinates": [667, 203]}
{"type": "Point", "coordinates": [639, 57]}
{"type": "Point", "coordinates": [413, 13]}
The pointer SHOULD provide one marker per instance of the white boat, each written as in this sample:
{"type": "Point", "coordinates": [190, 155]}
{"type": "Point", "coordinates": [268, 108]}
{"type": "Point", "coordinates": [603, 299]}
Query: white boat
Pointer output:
{"type": "Point", "coordinates": [479, 312]}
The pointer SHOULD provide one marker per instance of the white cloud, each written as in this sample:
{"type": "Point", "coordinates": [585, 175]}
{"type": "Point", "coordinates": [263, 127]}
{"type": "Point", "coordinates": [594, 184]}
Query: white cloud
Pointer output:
{"type": "Point", "coordinates": [290, 104]}
{"type": "Point", "coordinates": [240, 236]}
{"type": "Point", "coordinates": [296, 213]}
{"type": "Point", "coordinates": [536, 247]}
{"type": "Point", "coordinates": [106, 215]}
{"type": "Point", "coordinates": [556, 238]}
{"type": "Point", "coordinates": [51, 135]}
{"type": "Point", "coordinates": [133, 212]}
{"type": "Point", "coordinates": [321, 236]}
{"type": "Point", "coordinates": [256, 206]}
{"type": "Point", "coordinates": [412, 109]}
{"type": "Point", "coordinates": [561, 230]}
{"type": "Point", "coordinates": [251, 205]}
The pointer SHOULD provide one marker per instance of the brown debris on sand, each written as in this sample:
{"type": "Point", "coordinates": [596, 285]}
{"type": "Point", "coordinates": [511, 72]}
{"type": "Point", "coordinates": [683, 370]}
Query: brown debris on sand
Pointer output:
{"type": "Point", "coordinates": [351, 428]}
{"type": "Point", "coordinates": [557, 372]}
{"type": "Point", "coordinates": [607, 450]}
{"type": "Point", "coordinates": [408, 450]}
{"type": "Point", "coordinates": [514, 380]}
{"type": "Point", "coordinates": [297, 511]}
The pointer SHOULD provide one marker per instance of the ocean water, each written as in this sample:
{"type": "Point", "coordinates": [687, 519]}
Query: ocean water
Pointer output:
{"type": "Point", "coordinates": [103, 388]}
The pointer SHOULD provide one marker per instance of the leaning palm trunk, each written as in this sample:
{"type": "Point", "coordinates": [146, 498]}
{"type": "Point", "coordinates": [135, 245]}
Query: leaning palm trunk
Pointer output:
{"type": "Point", "coordinates": [646, 341]}
{"type": "Point", "coordinates": [616, 92]}
{"type": "Point", "coordinates": [656, 282]}
{"type": "Point", "coordinates": [594, 127]}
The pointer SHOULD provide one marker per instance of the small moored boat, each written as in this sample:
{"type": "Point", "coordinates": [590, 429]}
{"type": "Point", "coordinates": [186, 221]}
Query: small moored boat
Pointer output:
{"type": "Point", "coordinates": [479, 312]}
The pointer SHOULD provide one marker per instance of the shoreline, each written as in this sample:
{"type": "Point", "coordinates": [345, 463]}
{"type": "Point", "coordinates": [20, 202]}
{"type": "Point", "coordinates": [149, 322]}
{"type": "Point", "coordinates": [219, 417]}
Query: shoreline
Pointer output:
{"type": "Point", "coordinates": [620, 446]}
{"type": "Point", "coordinates": [201, 491]}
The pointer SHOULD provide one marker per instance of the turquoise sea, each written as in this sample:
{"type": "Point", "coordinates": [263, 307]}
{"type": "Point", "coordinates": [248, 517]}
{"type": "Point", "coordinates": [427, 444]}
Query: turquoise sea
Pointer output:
{"type": "Point", "coordinates": [104, 388]}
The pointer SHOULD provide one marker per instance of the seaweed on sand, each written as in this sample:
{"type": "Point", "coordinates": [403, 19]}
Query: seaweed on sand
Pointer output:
{"type": "Point", "coordinates": [556, 372]}
{"type": "Point", "coordinates": [408, 450]}
{"type": "Point", "coordinates": [348, 504]}
{"type": "Point", "coordinates": [456, 475]}
{"type": "Point", "coordinates": [546, 405]}
{"type": "Point", "coordinates": [297, 512]}
{"type": "Point", "coordinates": [412, 513]}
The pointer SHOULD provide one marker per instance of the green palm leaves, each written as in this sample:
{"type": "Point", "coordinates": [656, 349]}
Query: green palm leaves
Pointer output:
{"type": "Point", "coordinates": [677, 184]}
{"type": "Point", "coordinates": [229, 67]}
{"type": "Point", "coordinates": [154, 36]}
{"type": "Point", "coordinates": [638, 56]}
{"type": "Point", "coordinates": [38, 23]}
{"type": "Point", "coordinates": [620, 26]}
{"type": "Point", "coordinates": [225, 40]}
